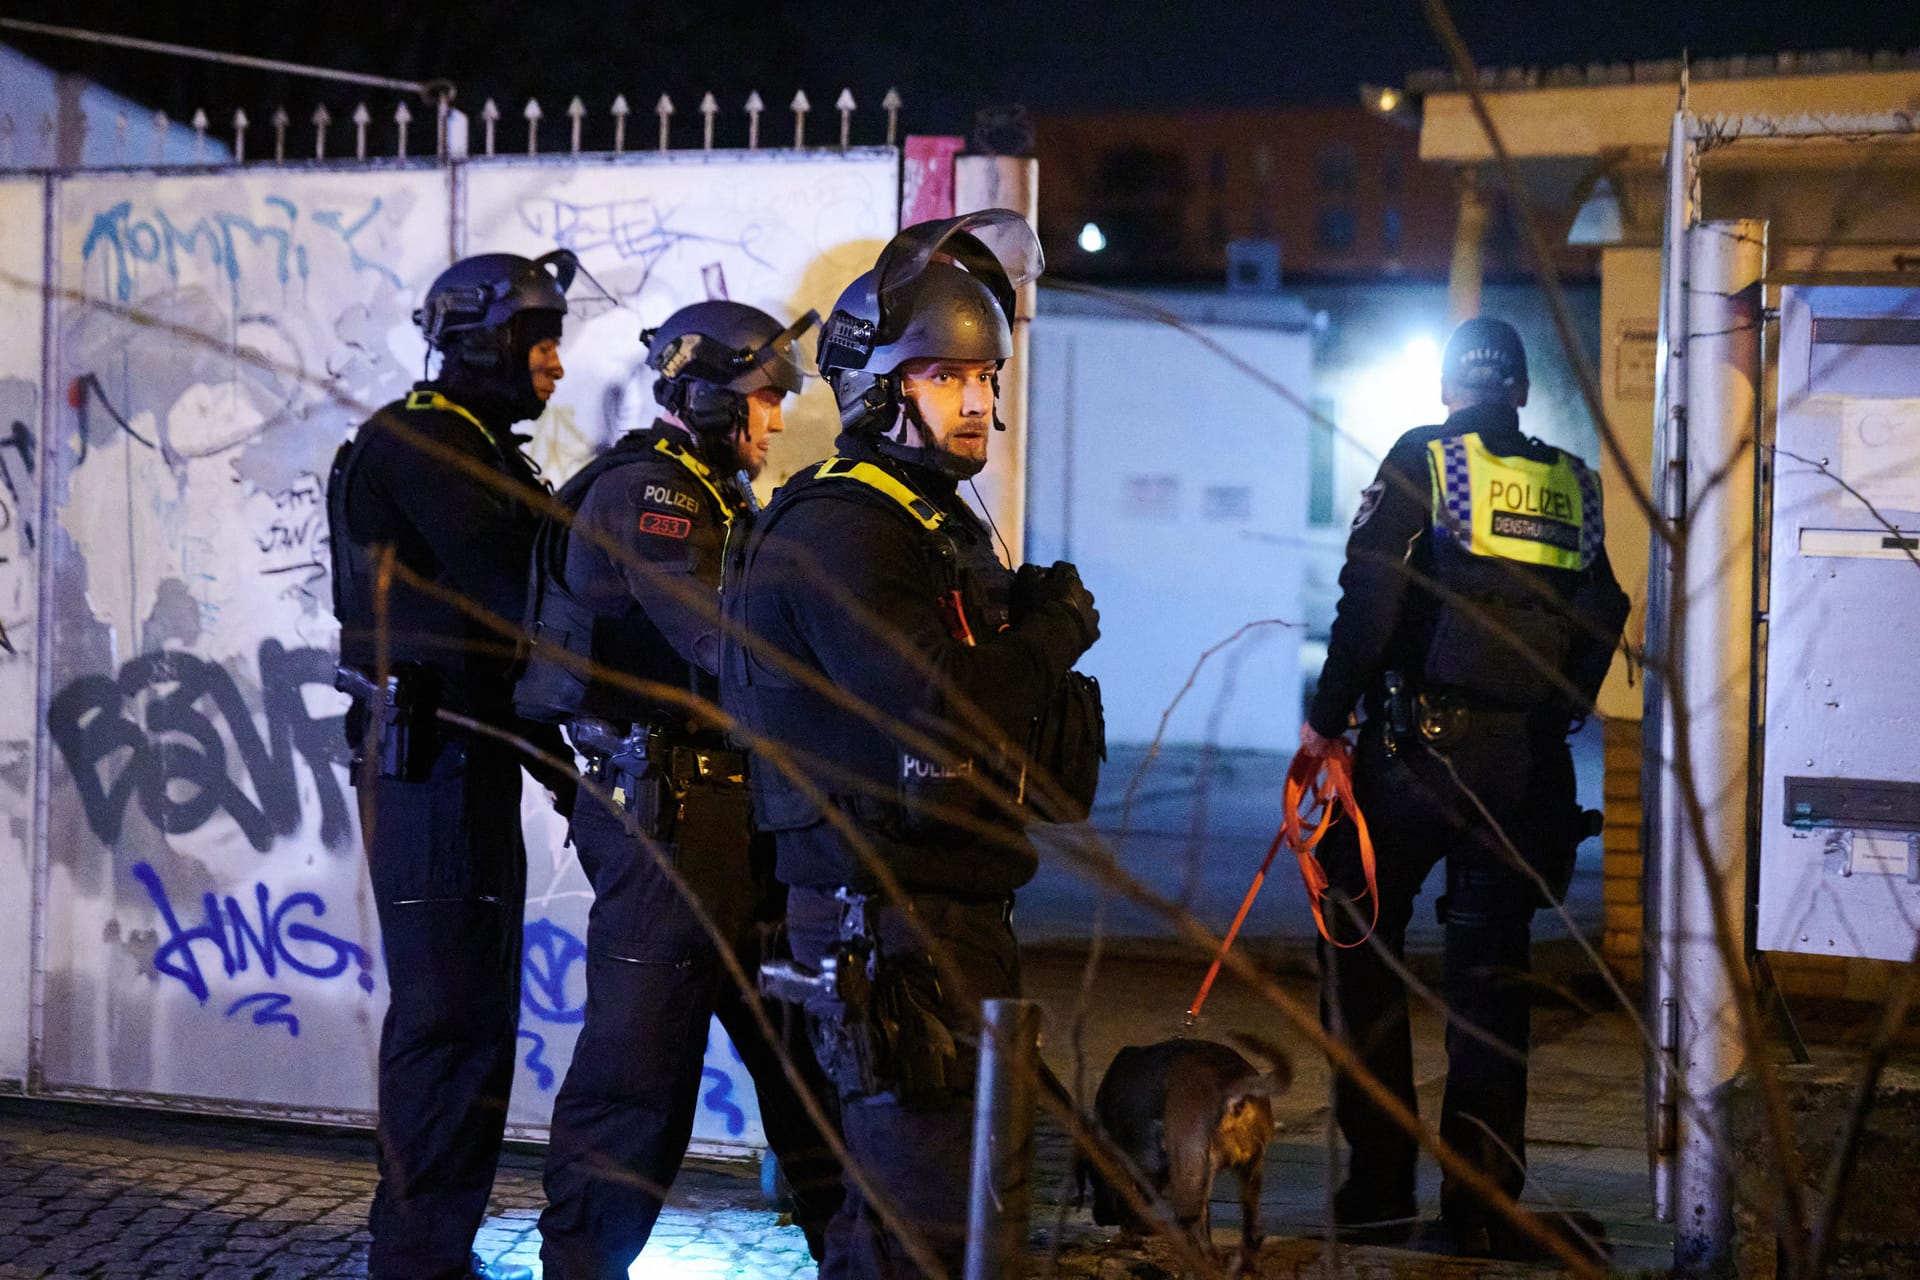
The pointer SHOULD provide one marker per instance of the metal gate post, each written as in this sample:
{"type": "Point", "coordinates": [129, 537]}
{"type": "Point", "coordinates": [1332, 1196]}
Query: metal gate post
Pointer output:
{"type": "Point", "coordinates": [1727, 261]}
{"type": "Point", "coordinates": [1000, 1198]}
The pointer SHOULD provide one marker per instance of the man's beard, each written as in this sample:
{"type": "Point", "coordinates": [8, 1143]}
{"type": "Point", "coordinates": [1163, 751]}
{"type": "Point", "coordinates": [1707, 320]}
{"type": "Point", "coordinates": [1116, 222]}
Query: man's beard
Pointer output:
{"type": "Point", "coordinates": [912, 441]}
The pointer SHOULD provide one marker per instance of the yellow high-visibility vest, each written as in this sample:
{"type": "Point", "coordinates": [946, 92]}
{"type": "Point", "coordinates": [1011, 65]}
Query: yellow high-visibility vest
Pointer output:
{"type": "Point", "coordinates": [1542, 513]}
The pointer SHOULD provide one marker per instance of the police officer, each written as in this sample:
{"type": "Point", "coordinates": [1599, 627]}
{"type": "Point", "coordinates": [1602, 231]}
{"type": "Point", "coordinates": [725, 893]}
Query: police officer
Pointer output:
{"type": "Point", "coordinates": [1477, 617]}
{"type": "Point", "coordinates": [630, 593]}
{"type": "Point", "coordinates": [891, 658]}
{"type": "Point", "coordinates": [437, 480]}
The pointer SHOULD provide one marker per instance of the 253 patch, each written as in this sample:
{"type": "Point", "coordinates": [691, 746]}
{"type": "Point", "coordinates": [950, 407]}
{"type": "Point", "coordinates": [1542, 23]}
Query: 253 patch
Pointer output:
{"type": "Point", "coordinates": [665, 526]}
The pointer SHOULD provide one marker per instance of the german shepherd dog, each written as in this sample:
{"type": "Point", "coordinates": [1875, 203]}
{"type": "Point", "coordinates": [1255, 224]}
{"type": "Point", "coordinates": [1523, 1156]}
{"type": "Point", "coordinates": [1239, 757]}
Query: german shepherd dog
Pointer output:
{"type": "Point", "coordinates": [1181, 1111]}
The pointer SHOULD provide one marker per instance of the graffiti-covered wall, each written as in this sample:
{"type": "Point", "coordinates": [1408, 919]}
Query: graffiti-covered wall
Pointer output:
{"type": "Point", "coordinates": [207, 937]}
{"type": "Point", "coordinates": [22, 268]}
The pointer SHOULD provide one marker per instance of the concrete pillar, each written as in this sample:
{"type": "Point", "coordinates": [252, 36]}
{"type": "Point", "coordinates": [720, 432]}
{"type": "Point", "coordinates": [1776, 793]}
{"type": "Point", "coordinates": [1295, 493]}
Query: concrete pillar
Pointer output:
{"type": "Point", "coordinates": [1468, 270]}
{"type": "Point", "coordinates": [1726, 262]}
{"type": "Point", "coordinates": [1006, 182]}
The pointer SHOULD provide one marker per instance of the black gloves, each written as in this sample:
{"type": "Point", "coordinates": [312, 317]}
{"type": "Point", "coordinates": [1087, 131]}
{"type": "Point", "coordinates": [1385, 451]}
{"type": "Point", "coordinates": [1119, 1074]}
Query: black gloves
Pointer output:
{"type": "Point", "coordinates": [1035, 588]}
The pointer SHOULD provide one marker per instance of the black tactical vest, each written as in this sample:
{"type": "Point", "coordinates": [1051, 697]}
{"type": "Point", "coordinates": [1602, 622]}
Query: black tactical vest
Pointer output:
{"type": "Point", "coordinates": [571, 646]}
{"type": "Point", "coordinates": [975, 591]}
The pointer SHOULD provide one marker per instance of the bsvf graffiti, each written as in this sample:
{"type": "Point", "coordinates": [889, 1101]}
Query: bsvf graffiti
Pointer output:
{"type": "Point", "coordinates": [272, 936]}
{"type": "Point", "coordinates": [159, 721]}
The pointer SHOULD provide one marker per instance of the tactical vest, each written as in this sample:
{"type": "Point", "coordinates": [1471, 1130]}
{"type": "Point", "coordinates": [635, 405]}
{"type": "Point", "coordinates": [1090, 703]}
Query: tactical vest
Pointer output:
{"type": "Point", "coordinates": [974, 602]}
{"type": "Point", "coordinates": [353, 603]}
{"type": "Point", "coordinates": [567, 641]}
{"type": "Point", "coordinates": [1512, 537]}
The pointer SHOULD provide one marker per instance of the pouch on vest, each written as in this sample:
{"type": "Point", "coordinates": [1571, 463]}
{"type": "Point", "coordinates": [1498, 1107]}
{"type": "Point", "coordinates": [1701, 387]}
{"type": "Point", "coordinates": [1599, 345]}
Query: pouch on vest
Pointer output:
{"type": "Point", "coordinates": [1499, 653]}
{"type": "Point", "coordinates": [552, 689]}
{"type": "Point", "coordinates": [1068, 745]}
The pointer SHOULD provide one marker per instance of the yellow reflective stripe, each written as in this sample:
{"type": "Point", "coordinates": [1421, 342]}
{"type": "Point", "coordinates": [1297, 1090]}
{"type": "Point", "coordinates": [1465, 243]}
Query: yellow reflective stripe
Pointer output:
{"type": "Point", "coordinates": [700, 472]}
{"type": "Point", "coordinates": [875, 478]}
{"type": "Point", "coordinates": [1514, 508]}
{"type": "Point", "coordinates": [434, 400]}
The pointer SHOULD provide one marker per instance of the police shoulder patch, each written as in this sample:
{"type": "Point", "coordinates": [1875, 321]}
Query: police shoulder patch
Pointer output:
{"type": "Point", "coordinates": [665, 526]}
{"type": "Point", "coordinates": [1369, 502]}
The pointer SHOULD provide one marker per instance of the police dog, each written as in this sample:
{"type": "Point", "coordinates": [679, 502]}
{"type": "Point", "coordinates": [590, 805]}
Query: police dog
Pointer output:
{"type": "Point", "coordinates": [1181, 1111]}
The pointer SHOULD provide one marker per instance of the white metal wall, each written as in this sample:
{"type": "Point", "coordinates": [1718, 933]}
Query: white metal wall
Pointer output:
{"type": "Point", "coordinates": [208, 938]}
{"type": "Point", "coordinates": [1179, 486]}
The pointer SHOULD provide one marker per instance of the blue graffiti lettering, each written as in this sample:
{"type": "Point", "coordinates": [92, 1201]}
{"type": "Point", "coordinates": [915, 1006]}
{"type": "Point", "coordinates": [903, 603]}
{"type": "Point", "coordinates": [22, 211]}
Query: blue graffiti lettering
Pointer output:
{"type": "Point", "coordinates": [227, 928]}
{"type": "Point", "coordinates": [227, 240]}
{"type": "Point", "coordinates": [550, 956]}
{"type": "Point", "coordinates": [333, 218]}
{"type": "Point", "coordinates": [542, 1073]}
{"type": "Point", "coordinates": [719, 1099]}
{"type": "Point", "coordinates": [270, 1011]}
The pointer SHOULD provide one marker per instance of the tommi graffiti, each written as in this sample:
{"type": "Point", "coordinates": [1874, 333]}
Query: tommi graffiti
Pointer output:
{"type": "Point", "coordinates": [229, 240]}
{"type": "Point", "coordinates": [175, 759]}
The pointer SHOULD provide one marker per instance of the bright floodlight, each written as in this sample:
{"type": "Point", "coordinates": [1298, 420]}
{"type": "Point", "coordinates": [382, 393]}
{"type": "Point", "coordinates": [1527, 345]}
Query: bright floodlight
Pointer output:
{"type": "Point", "coordinates": [1092, 239]}
{"type": "Point", "coordinates": [1422, 351]}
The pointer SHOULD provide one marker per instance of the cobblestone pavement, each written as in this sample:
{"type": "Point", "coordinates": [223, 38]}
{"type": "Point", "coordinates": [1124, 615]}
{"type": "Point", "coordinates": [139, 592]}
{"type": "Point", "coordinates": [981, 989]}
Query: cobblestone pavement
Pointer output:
{"type": "Point", "coordinates": [97, 1192]}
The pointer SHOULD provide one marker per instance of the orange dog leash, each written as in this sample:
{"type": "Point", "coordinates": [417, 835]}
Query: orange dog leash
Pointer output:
{"type": "Point", "coordinates": [1327, 783]}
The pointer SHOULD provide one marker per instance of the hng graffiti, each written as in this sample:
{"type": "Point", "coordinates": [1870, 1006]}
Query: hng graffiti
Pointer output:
{"type": "Point", "coordinates": [176, 758]}
{"type": "Point", "coordinates": [269, 935]}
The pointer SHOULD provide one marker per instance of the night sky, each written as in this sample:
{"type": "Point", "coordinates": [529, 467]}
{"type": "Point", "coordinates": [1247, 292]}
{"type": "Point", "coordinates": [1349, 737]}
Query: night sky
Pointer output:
{"type": "Point", "coordinates": [947, 59]}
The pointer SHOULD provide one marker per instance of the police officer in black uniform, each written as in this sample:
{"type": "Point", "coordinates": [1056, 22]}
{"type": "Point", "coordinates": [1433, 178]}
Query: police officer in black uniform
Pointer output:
{"type": "Point", "coordinates": [1477, 618]}
{"type": "Point", "coordinates": [891, 659]}
{"type": "Point", "coordinates": [437, 479]}
{"type": "Point", "coordinates": [628, 591]}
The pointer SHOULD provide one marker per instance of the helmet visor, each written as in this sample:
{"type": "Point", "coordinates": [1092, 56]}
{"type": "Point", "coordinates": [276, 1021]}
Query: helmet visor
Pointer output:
{"type": "Point", "coordinates": [998, 245]}
{"type": "Point", "coordinates": [781, 361]}
{"type": "Point", "coordinates": [585, 296]}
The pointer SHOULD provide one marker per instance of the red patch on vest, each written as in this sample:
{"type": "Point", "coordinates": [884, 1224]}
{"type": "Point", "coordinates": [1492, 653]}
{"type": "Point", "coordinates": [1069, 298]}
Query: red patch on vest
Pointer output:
{"type": "Point", "coordinates": [665, 526]}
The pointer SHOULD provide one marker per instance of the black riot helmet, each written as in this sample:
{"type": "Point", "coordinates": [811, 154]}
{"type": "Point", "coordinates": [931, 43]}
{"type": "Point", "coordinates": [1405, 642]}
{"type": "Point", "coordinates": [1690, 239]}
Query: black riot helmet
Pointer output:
{"type": "Point", "coordinates": [943, 290]}
{"type": "Point", "coordinates": [711, 356]}
{"type": "Point", "coordinates": [485, 314]}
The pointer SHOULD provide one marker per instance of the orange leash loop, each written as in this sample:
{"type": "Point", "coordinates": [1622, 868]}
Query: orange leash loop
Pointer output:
{"type": "Point", "coordinates": [1324, 785]}
{"type": "Point", "coordinates": [1328, 783]}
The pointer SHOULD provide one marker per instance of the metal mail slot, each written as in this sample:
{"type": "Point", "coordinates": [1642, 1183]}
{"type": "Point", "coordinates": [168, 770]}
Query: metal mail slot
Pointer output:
{"type": "Point", "coordinates": [1867, 544]}
{"type": "Point", "coordinates": [1856, 803]}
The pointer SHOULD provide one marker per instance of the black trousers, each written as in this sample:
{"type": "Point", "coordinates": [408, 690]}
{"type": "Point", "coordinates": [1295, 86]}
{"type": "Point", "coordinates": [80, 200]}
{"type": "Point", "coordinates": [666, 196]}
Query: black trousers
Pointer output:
{"type": "Point", "coordinates": [625, 1112]}
{"type": "Point", "coordinates": [916, 1153]}
{"type": "Point", "coordinates": [1419, 813]}
{"type": "Point", "coordinates": [449, 873]}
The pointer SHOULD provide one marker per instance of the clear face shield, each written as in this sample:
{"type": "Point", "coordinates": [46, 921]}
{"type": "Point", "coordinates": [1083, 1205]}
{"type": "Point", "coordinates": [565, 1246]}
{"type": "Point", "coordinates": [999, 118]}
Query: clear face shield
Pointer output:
{"type": "Point", "coordinates": [587, 299]}
{"type": "Point", "coordinates": [997, 245]}
{"type": "Point", "coordinates": [782, 361]}
{"type": "Point", "coordinates": [779, 362]}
